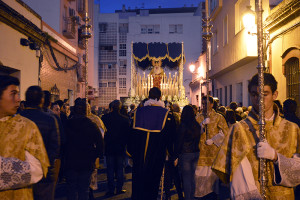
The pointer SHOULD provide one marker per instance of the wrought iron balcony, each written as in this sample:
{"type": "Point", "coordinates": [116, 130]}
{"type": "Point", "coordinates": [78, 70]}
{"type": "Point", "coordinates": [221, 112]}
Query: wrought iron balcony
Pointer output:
{"type": "Point", "coordinates": [81, 8]}
{"type": "Point", "coordinates": [69, 29]}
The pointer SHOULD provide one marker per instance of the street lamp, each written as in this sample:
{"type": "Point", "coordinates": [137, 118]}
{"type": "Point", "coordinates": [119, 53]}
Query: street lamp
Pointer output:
{"type": "Point", "coordinates": [192, 68]}
{"type": "Point", "coordinates": [249, 20]}
{"type": "Point", "coordinates": [198, 71]}
{"type": "Point", "coordinates": [261, 69]}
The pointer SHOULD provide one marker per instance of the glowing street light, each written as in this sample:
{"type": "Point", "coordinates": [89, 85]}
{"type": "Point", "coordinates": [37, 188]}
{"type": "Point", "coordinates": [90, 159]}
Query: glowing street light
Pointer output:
{"type": "Point", "coordinates": [249, 21]}
{"type": "Point", "coordinates": [192, 68]}
{"type": "Point", "coordinates": [200, 72]}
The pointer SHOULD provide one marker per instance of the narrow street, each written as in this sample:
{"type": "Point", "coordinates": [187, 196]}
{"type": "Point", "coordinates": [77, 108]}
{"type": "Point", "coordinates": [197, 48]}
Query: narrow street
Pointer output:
{"type": "Point", "coordinates": [61, 190]}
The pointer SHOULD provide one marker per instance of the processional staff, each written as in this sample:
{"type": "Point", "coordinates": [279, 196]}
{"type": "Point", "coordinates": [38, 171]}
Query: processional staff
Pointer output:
{"type": "Point", "coordinates": [260, 68]}
{"type": "Point", "coordinates": [207, 34]}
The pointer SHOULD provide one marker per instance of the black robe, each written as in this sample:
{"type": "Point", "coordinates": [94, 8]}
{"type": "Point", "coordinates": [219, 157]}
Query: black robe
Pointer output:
{"type": "Point", "coordinates": [151, 135]}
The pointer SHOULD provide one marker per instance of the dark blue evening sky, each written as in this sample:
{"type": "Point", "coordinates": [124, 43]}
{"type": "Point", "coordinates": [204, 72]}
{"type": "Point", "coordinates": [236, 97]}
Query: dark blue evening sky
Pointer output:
{"type": "Point", "coordinates": [109, 6]}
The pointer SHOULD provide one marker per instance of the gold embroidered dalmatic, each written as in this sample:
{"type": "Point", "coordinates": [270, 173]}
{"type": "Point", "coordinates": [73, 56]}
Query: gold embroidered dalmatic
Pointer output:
{"type": "Point", "coordinates": [241, 142]}
{"type": "Point", "coordinates": [17, 135]}
{"type": "Point", "coordinates": [217, 123]}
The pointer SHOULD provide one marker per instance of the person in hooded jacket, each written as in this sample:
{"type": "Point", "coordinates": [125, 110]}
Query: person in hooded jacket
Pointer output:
{"type": "Point", "coordinates": [84, 146]}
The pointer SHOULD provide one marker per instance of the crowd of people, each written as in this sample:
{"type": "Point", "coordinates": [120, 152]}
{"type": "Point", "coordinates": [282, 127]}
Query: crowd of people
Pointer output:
{"type": "Point", "coordinates": [196, 149]}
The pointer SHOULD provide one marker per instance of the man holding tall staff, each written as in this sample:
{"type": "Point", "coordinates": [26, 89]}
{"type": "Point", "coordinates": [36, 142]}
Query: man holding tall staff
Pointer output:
{"type": "Point", "coordinates": [238, 159]}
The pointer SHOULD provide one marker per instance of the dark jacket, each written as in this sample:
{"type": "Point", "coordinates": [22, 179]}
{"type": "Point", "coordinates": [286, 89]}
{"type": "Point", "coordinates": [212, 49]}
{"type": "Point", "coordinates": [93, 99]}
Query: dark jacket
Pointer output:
{"type": "Point", "coordinates": [115, 138]}
{"type": "Point", "coordinates": [84, 143]}
{"type": "Point", "coordinates": [48, 127]}
{"type": "Point", "coordinates": [292, 118]}
{"type": "Point", "coordinates": [150, 139]}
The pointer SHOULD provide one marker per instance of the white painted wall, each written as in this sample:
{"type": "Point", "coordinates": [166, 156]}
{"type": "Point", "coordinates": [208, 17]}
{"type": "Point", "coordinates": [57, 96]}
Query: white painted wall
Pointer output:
{"type": "Point", "coordinates": [240, 75]}
{"type": "Point", "coordinates": [16, 56]}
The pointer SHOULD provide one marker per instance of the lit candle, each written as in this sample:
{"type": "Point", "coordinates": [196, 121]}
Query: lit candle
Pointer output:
{"type": "Point", "coordinates": [148, 86]}
{"type": "Point", "coordinates": [151, 81]}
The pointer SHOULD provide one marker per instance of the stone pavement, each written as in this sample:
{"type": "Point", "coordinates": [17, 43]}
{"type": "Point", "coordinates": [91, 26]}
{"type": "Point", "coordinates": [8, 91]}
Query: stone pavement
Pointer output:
{"type": "Point", "coordinates": [102, 188]}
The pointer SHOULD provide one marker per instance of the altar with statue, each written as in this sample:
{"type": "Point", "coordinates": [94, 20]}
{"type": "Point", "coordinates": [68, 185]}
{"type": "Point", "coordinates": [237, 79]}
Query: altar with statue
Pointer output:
{"type": "Point", "coordinates": [157, 65]}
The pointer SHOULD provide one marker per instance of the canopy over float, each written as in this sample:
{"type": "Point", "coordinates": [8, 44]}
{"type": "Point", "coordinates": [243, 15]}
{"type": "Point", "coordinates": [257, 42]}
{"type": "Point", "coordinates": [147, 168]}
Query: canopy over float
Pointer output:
{"type": "Point", "coordinates": [150, 64]}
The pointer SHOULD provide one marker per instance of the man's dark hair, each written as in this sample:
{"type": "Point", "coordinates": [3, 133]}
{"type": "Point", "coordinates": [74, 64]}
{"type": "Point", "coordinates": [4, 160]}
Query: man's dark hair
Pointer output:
{"type": "Point", "coordinates": [116, 105]}
{"type": "Point", "coordinates": [60, 103]}
{"type": "Point", "coordinates": [34, 95]}
{"type": "Point", "coordinates": [233, 106]}
{"type": "Point", "coordinates": [6, 81]}
{"type": "Point", "coordinates": [53, 104]}
{"type": "Point", "coordinates": [80, 106]}
{"type": "Point", "coordinates": [269, 80]}
{"type": "Point", "coordinates": [47, 99]}
{"type": "Point", "coordinates": [290, 106]}
{"type": "Point", "coordinates": [230, 116]}
{"type": "Point", "coordinates": [154, 93]}
{"type": "Point", "coordinates": [211, 100]}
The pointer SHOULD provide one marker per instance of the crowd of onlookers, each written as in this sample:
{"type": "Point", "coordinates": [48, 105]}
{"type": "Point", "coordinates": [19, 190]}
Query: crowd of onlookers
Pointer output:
{"type": "Point", "coordinates": [76, 137]}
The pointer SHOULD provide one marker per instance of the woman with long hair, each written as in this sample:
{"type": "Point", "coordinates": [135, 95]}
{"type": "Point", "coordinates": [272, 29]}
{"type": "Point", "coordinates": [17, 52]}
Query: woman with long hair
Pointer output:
{"type": "Point", "coordinates": [187, 147]}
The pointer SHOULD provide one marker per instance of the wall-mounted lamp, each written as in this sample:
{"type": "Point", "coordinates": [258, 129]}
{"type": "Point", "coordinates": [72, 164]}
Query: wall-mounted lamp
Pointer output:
{"type": "Point", "coordinates": [29, 42]}
{"type": "Point", "coordinates": [24, 42]}
{"type": "Point", "coordinates": [249, 20]}
{"type": "Point", "coordinates": [34, 46]}
{"type": "Point", "coordinates": [192, 67]}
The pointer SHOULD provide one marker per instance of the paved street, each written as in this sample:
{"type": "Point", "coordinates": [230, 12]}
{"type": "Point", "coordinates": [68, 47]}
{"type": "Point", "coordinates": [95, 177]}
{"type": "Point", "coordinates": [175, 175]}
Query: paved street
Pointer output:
{"type": "Point", "coordinates": [102, 188]}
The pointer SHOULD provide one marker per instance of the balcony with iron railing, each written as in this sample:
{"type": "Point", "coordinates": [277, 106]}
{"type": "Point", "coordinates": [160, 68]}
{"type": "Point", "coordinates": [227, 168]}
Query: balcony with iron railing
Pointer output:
{"type": "Point", "coordinates": [81, 8]}
{"type": "Point", "coordinates": [69, 29]}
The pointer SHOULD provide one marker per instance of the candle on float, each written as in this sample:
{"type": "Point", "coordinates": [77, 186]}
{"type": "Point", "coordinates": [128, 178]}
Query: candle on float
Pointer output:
{"type": "Point", "coordinates": [137, 85]}
{"type": "Point", "coordinates": [148, 85]}
{"type": "Point", "coordinates": [140, 85]}
{"type": "Point", "coordinates": [151, 81]}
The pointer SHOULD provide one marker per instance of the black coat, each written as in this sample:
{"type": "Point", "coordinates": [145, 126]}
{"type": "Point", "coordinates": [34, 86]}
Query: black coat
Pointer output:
{"type": "Point", "coordinates": [84, 143]}
{"type": "Point", "coordinates": [49, 130]}
{"type": "Point", "coordinates": [115, 138]}
{"type": "Point", "coordinates": [148, 167]}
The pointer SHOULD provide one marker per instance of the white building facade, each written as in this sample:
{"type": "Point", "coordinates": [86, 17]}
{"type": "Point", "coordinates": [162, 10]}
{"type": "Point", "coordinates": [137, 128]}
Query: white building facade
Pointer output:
{"type": "Point", "coordinates": [233, 50]}
{"type": "Point", "coordinates": [116, 32]}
